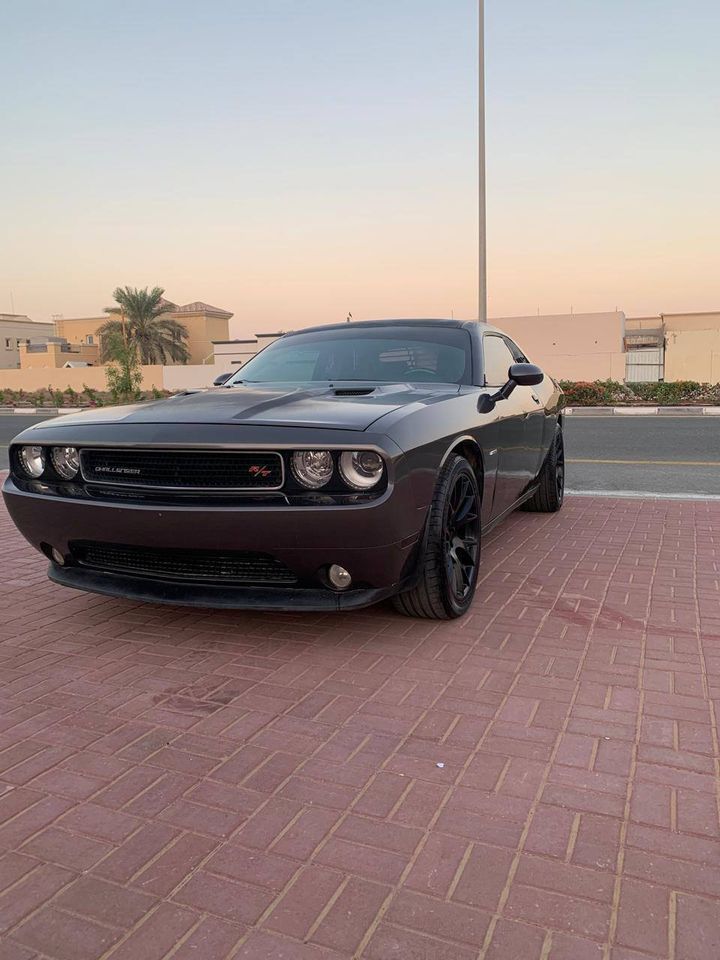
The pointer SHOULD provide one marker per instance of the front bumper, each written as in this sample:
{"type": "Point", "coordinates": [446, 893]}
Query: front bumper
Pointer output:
{"type": "Point", "coordinates": [377, 541]}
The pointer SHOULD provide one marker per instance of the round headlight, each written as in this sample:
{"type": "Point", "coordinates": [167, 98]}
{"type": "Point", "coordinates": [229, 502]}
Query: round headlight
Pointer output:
{"type": "Point", "coordinates": [312, 468]}
{"type": "Point", "coordinates": [32, 460]}
{"type": "Point", "coordinates": [66, 461]}
{"type": "Point", "coordinates": [361, 469]}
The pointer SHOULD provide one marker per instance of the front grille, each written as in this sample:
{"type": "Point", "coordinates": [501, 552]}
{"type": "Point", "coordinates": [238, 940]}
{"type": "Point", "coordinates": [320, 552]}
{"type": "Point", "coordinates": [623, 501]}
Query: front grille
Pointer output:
{"type": "Point", "coordinates": [208, 566]}
{"type": "Point", "coordinates": [188, 469]}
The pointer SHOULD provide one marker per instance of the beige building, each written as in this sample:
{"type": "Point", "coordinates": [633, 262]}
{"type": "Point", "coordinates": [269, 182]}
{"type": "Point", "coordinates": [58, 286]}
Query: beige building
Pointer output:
{"type": "Point", "coordinates": [692, 346]}
{"type": "Point", "coordinates": [16, 330]}
{"type": "Point", "coordinates": [572, 346]}
{"type": "Point", "coordinates": [203, 322]}
{"type": "Point", "coordinates": [56, 353]}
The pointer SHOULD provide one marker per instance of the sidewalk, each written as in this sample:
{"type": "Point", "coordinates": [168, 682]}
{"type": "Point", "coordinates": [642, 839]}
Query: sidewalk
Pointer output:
{"type": "Point", "coordinates": [538, 781]}
{"type": "Point", "coordinates": [643, 411]}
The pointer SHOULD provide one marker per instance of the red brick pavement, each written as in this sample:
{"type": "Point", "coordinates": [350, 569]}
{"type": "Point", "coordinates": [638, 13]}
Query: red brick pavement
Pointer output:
{"type": "Point", "coordinates": [538, 781]}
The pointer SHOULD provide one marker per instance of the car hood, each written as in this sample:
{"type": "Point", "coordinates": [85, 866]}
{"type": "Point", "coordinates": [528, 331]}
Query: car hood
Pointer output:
{"type": "Point", "coordinates": [350, 406]}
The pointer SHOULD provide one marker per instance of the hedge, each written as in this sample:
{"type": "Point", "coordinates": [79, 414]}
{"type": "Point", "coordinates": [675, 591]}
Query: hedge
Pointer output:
{"type": "Point", "coordinates": [54, 397]}
{"type": "Point", "coordinates": [603, 393]}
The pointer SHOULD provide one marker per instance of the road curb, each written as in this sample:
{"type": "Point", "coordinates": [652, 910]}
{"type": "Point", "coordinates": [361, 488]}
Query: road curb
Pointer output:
{"type": "Point", "coordinates": [35, 411]}
{"type": "Point", "coordinates": [642, 411]}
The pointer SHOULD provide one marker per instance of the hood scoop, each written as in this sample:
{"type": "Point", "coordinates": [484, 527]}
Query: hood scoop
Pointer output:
{"type": "Point", "coordinates": [354, 391]}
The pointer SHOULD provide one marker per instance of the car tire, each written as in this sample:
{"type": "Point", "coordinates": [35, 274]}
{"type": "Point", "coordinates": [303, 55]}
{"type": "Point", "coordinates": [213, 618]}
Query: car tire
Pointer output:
{"type": "Point", "coordinates": [451, 555]}
{"type": "Point", "coordinates": [548, 498]}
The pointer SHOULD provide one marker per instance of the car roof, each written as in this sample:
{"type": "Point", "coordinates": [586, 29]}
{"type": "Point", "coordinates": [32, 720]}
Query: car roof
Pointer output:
{"type": "Point", "coordinates": [391, 322]}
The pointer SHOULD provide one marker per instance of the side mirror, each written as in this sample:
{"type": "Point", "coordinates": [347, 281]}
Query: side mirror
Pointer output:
{"type": "Point", "coordinates": [220, 380]}
{"type": "Point", "coordinates": [519, 375]}
{"type": "Point", "coordinates": [525, 374]}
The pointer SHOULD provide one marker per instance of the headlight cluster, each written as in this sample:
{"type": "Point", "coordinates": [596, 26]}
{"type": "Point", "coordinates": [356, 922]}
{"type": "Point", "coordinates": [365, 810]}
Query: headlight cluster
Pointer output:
{"type": "Point", "coordinates": [34, 461]}
{"type": "Point", "coordinates": [359, 469]}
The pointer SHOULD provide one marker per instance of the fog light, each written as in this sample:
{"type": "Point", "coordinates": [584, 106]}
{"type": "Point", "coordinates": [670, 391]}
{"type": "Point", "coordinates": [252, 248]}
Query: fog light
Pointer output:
{"type": "Point", "coordinates": [58, 557]}
{"type": "Point", "coordinates": [339, 577]}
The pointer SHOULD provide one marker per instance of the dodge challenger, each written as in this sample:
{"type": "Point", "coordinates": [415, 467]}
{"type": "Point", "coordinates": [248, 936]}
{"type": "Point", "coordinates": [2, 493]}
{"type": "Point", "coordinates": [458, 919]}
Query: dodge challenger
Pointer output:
{"type": "Point", "coordinates": [340, 466]}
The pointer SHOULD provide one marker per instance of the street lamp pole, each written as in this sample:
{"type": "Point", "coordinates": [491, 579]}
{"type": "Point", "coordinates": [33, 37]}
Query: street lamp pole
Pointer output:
{"type": "Point", "coordinates": [482, 255]}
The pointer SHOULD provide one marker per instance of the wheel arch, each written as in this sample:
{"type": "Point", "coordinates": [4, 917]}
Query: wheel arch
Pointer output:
{"type": "Point", "coordinates": [469, 448]}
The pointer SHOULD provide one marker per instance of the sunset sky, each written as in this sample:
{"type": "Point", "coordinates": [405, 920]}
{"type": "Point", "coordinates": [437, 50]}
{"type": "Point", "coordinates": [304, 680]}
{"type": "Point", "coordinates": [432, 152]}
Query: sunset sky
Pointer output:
{"type": "Point", "coordinates": [293, 160]}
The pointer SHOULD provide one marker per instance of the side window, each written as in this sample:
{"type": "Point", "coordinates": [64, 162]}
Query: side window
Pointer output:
{"type": "Point", "coordinates": [515, 350]}
{"type": "Point", "coordinates": [498, 360]}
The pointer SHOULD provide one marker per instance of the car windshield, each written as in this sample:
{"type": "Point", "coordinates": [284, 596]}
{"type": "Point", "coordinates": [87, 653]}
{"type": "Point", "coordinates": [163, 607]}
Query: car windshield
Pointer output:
{"type": "Point", "coordinates": [379, 354]}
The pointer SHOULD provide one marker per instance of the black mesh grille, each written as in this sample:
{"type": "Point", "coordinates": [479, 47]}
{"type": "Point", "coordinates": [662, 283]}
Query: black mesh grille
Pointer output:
{"type": "Point", "coordinates": [190, 469]}
{"type": "Point", "coordinates": [192, 565]}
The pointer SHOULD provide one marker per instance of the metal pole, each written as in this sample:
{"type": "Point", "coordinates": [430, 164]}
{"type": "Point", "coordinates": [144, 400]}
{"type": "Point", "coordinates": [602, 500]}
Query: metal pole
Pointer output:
{"type": "Point", "coordinates": [482, 255]}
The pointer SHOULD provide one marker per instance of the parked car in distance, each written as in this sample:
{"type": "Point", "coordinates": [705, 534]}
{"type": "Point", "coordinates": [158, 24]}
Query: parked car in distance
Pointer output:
{"type": "Point", "coordinates": [340, 466]}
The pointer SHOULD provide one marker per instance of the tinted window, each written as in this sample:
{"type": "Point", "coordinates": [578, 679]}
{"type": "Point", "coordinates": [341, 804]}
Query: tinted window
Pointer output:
{"type": "Point", "coordinates": [384, 354]}
{"type": "Point", "coordinates": [516, 351]}
{"type": "Point", "coordinates": [498, 360]}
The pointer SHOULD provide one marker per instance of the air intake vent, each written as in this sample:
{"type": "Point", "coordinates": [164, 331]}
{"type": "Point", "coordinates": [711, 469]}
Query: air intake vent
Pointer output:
{"type": "Point", "coordinates": [210, 566]}
{"type": "Point", "coordinates": [355, 392]}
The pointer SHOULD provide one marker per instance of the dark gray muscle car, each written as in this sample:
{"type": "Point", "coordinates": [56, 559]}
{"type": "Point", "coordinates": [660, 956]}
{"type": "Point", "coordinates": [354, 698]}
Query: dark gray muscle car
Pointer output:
{"type": "Point", "coordinates": [340, 466]}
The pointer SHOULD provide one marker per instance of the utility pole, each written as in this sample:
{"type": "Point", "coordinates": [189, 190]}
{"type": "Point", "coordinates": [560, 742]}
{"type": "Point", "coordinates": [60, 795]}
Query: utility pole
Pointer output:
{"type": "Point", "coordinates": [482, 255]}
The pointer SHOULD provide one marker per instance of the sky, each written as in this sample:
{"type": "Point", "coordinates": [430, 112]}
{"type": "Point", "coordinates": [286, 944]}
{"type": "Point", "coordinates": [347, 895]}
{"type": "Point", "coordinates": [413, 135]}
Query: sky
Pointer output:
{"type": "Point", "coordinates": [296, 160]}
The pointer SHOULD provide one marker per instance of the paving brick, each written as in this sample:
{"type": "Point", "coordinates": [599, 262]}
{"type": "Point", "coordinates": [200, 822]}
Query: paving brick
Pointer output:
{"type": "Point", "coordinates": [222, 897]}
{"type": "Point", "coordinates": [419, 806]}
{"type": "Point", "coordinates": [67, 849]}
{"type": "Point", "coordinates": [253, 866]}
{"type": "Point", "coordinates": [677, 874]}
{"type": "Point", "coordinates": [202, 819]}
{"type": "Point", "coordinates": [172, 866]}
{"type": "Point", "coordinates": [157, 934]}
{"type": "Point", "coordinates": [305, 833]}
{"type": "Point", "coordinates": [566, 947]}
{"type": "Point", "coordinates": [550, 831]}
{"type": "Point", "coordinates": [24, 825]}
{"type": "Point", "coordinates": [59, 934]}
{"type": "Point", "coordinates": [105, 902]}
{"type": "Point", "coordinates": [269, 946]}
{"type": "Point", "coordinates": [643, 917]}
{"type": "Point", "coordinates": [344, 925]}
{"type": "Point", "coordinates": [268, 823]}
{"type": "Point", "coordinates": [92, 820]}
{"type": "Point", "coordinates": [559, 912]}
{"type": "Point", "coordinates": [33, 890]}
{"type": "Point", "coordinates": [597, 842]}
{"type": "Point", "coordinates": [698, 928]}
{"type": "Point", "coordinates": [515, 940]}
{"type": "Point", "coordinates": [565, 878]}
{"type": "Point", "coordinates": [11, 950]}
{"type": "Point", "coordinates": [368, 862]}
{"type": "Point", "coordinates": [374, 833]}
{"type": "Point", "coordinates": [304, 901]}
{"type": "Point", "coordinates": [448, 921]}
{"type": "Point", "coordinates": [212, 939]}
{"type": "Point", "coordinates": [437, 864]}
{"type": "Point", "coordinates": [135, 852]}
{"type": "Point", "coordinates": [390, 943]}
{"type": "Point", "coordinates": [483, 876]}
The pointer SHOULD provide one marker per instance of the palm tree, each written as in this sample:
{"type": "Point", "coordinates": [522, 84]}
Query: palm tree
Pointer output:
{"type": "Point", "coordinates": [157, 339]}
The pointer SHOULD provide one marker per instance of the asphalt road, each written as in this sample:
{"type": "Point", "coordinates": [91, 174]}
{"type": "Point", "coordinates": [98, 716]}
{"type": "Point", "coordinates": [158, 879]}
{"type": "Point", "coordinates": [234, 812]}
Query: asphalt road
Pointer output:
{"type": "Point", "coordinates": [666, 456]}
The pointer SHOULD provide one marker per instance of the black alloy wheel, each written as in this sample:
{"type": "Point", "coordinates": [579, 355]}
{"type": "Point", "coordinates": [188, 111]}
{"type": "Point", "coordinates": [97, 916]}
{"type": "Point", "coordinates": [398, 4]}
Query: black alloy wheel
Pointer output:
{"type": "Point", "coordinates": [462, 536]}
{"type": "Point", "coordinates": [448, 566]}
{"type": "Point", "coordinates": [548, 498]}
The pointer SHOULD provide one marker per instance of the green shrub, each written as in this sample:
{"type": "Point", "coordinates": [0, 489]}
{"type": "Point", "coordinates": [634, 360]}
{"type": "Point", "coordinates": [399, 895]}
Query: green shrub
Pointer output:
{"type": "Point", "coordinates": [610, 392]}
{"type": "Point", "coordinates": [598, 393]}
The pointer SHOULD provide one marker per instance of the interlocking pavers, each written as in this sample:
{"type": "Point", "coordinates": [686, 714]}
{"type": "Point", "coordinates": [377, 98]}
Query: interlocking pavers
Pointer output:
{"type": "Point", "coordinates": [538, 780]}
